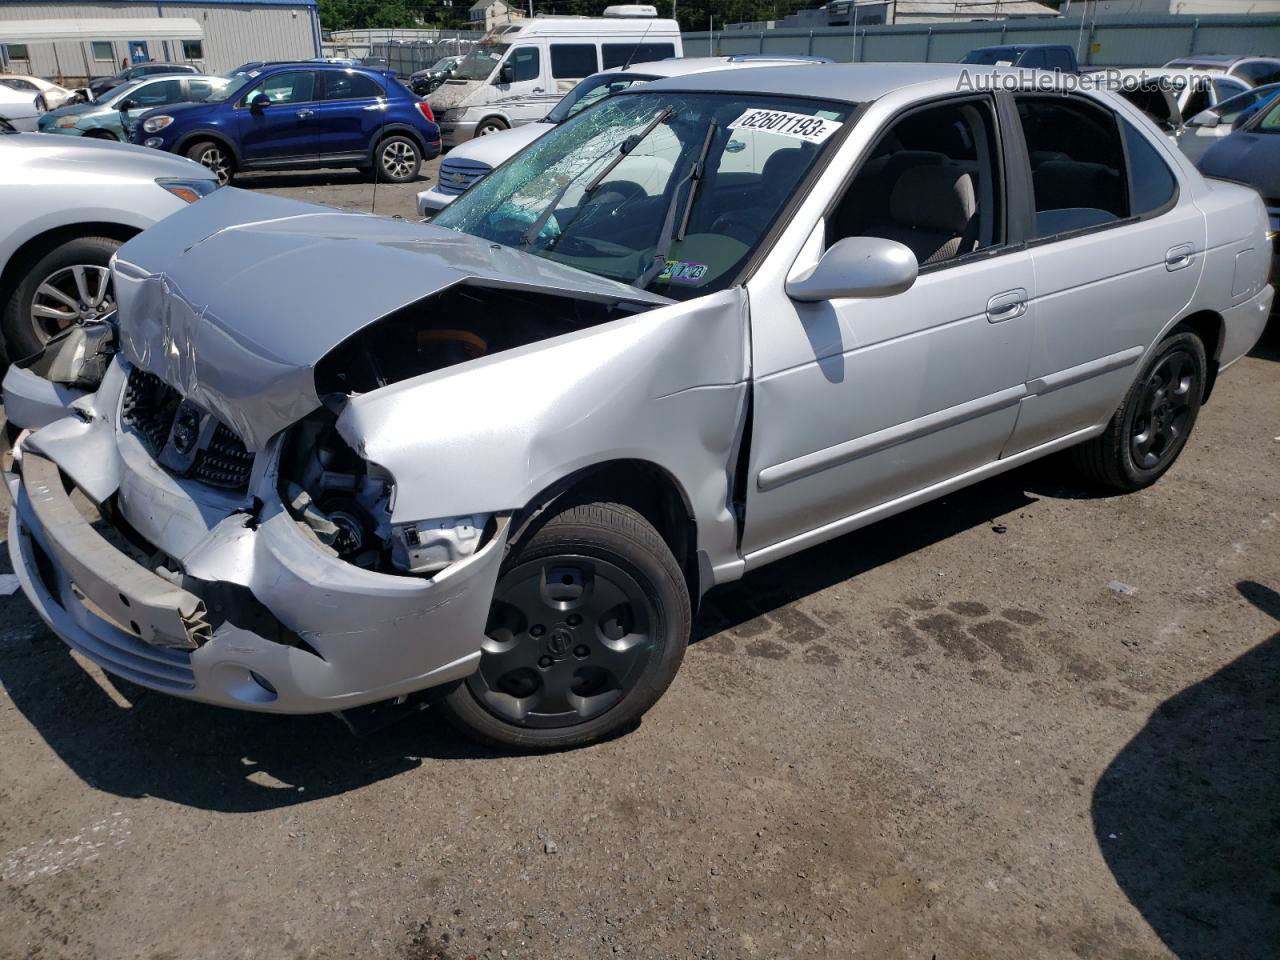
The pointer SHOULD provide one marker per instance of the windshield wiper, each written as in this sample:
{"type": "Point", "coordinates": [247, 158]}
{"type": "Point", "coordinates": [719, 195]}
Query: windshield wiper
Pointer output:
{"type": "Point", "coordinates": [628, 145]}
{"type": "Point", "coordinates": [670, 236]}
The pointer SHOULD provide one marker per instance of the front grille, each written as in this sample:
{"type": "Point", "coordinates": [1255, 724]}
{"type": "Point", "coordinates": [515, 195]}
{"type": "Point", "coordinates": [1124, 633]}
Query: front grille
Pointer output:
{"type": "Point", "coordinates": [149, 407]}
{"type": "Point", "coordinates": [456, 175]}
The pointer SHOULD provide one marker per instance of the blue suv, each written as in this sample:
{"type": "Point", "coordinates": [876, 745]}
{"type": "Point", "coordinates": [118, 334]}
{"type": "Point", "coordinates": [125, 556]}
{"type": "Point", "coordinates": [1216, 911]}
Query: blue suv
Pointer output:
{"type": "Point", "coordinates": [297, 116]}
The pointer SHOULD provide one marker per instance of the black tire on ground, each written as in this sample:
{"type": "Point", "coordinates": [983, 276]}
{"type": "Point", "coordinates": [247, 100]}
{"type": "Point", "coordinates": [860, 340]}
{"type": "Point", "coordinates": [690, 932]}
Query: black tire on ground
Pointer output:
{"type": "Point", "coordinates": [491, 125]}
{"type": "Point", "coordinates": [22, 336]}
{"type": "Point", "coordinates": [603, 618]}
{"type": "Point", "coordinates": [397, 160]}
{"type": "Point", "coordinates": [1147, 433]}
{"type": "Point", "coordinates": [215, 157]}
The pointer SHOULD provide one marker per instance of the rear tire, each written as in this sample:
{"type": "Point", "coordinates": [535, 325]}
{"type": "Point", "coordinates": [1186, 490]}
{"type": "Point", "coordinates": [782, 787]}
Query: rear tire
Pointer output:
{"type": "Point", "coordinates": [213, 156]}
{"type": "Point", "coordinates": [397, 160]}
{"type": "Point", "coordinates": [1151, 427]}
{"type": "Point", "coordinates": [590, 621]}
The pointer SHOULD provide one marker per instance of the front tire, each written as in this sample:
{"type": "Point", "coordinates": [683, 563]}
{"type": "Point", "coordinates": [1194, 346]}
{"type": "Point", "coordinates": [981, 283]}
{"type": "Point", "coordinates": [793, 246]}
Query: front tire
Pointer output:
{"type": "Point", "coordinates": [398, 160]}
{"type": "Point", "coordinates": [589, 624]}
{"type": "Point", "coordinates": [1151, 427]}
{"type": "Point", "coordinates": [491, 125]}
{"type": "Point", "coordinates": [67, 285]}
{"type": "Point", "coordinates": [213, 156]}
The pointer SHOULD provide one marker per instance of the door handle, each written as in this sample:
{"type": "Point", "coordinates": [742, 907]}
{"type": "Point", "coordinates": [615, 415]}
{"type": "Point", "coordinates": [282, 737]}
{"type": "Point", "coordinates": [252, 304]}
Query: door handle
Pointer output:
{"type": "Point", "coordinates": [537, 90]}
{"type": "Point", "coordinates": [1007, 305]}
{"type": "Point", "coordinates": [303, 114]}
{"type": "Point", "coordinates": [1175, 258]}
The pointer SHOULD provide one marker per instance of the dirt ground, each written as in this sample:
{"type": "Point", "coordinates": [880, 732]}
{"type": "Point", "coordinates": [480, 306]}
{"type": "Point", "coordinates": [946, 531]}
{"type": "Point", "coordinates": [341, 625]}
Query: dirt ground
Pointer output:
{"type": "Point", "coordinates": [1022, 722]}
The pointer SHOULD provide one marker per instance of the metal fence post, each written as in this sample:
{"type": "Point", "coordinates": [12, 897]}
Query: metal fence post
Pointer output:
{"type": "Point", "coordinates": [760, 48]}
{"type": "Point", "coordinates": [1191, 41]}
{"type": "Point", "coordinates": [811, 43]}
{"type": "Point", "coordinates": [928, 44]}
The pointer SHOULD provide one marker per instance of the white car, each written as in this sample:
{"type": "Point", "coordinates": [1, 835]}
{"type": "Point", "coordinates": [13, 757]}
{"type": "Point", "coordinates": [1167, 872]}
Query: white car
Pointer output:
{"type": "Point", "coordinates": [53, 95]}
{"type": "Point", "coordinates": [19, 110]}
{"type": "Point", "coordinates": [467, 163]}
{"type": "Point", "coordinates": [1195, 90]}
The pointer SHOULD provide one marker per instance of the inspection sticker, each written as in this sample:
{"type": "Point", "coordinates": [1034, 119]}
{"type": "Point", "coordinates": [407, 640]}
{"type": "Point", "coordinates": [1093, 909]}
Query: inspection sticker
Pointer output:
{"type": "Point", "coordinates": [682, 271]}
{"type": "Point", "coordinates": [801, 126]}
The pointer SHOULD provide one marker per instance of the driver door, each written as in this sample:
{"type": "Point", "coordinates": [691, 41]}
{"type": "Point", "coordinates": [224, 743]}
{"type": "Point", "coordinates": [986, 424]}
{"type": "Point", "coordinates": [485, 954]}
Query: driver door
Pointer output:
{"type": "Point", "coordinates": [521, 87]}
{"type": "Point", "coordinates": [860, 403]}
{"type": "Point", "coordinates": [285, 130]}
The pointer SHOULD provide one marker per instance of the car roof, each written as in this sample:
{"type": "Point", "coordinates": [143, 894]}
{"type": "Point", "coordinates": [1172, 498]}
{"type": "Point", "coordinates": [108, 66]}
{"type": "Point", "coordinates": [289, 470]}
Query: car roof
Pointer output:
{"type": "Point", "coordinates": [682, 66]}
{"type": "Point", "coordinates": [848, 82]}
{"type": "Point", "coordinates": [1216, 59]}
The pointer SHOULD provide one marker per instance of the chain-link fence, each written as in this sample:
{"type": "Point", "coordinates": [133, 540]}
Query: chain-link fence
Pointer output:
{"type": "Point", "coordinates": [408, 55]}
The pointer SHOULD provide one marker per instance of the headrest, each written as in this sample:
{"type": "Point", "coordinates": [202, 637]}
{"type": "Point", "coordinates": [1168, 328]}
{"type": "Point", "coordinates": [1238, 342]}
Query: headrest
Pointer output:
{"type": "Point", "coordinates": [933, 198]}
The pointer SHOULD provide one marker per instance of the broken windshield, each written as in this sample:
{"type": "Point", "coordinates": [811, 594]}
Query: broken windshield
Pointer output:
{"type": "Point", "coordinates": [671, 191]}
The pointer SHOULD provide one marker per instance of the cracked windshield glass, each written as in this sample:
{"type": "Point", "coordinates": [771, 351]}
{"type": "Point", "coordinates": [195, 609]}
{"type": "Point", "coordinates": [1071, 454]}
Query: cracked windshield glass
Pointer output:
{"type": "Point", "coordinates": [670, 192]}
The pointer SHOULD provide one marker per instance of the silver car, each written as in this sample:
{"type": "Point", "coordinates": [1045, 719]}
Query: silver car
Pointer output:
{"type": "Point", "coordinates": [68, 206]}
{"type": "Point", "coordinates": [709, 323]}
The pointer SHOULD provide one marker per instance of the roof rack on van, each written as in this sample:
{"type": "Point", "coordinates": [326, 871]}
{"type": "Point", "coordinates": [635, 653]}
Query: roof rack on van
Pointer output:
{"type": "Point", "coordinates": [631, 10]}
{"type": "Point", "coordinates": [789, 57]}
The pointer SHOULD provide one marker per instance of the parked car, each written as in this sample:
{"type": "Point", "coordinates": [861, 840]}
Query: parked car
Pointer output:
{"type": "Point", "coordinates": [19, 109]}
{"type": "Point", "coordinates": [1253, 71]}
{"type": "Point", "coordinates": [100, 85]}
{"type": "Point", "coordinates": [68, 205]}
{"type": "Point", "coordinates": [504, 454]}
{"type": "Point", "coordinates": [1026, 56]}
{"type": "Point", "coordinates": [1194, 90]}
{"type": "Point", "coordinates": [256, 66]}
{"type": "Point", "coordinates": [424, 81]}
{"type": "Point", "coordinates": [1209, 126]}
{"type": "Point", "coordinates": [1251, 155]}
{"type": "Point", "coordinates": [48, 95]}
{"type": "Point", "coordinates": [524, 68]}
{"type": "Point", "coordinates": [300, 116]}
{"type": "Point", "coordinates": [110, 116]}
{"type": "Point", "coordinates": [464, 165]}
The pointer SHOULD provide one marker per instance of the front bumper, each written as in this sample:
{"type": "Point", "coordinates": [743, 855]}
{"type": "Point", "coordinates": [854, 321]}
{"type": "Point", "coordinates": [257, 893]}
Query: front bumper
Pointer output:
{"type": "Point", "coordinates": [252, 613]}
{"type": "Point", "coordinates": [432, 201]}
{"type": "Point", "coordinates": [454, 132]}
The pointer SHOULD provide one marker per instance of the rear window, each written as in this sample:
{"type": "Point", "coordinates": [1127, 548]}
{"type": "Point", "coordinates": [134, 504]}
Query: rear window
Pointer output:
{"type": "Point", "coordinates": [620, 54]}
{"type": "Point", "coordinates": [573, 61]}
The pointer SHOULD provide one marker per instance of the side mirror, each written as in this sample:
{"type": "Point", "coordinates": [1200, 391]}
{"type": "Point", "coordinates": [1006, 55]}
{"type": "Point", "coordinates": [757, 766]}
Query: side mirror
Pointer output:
{"type": "Point", "coordinates": [259, 101]}
{"type": "Point", "coordinates": [857, 267]}
{"type": "Point", "coordinates": [1205, 118]}
{"type": "Point", "coordinates": [507, 73]}
{"type": "Point", "coordinates": [127, 105]}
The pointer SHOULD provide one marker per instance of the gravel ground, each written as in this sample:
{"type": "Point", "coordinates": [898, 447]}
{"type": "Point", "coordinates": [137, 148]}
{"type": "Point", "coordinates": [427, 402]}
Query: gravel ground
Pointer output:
{"type": "Point", "coordinates": [1024, 721]}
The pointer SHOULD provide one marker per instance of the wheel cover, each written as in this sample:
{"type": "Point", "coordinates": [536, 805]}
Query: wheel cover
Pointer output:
{"type": "Point", "coordinates": [397, 159]}
{"type": "Point", "coordinates": [488, 128]}
{"type": "Point", "coordinates": [216, 160]}
{"type": "Point", "coordinates": [1164, 410]}
{"type": "Point", "coordinates": [568, 638]}
{"type": "Point", "coordinates": [75, 294]}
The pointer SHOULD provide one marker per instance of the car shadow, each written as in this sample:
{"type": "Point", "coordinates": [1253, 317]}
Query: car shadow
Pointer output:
{"type": "Point", "coordinates": [1268, 345]}
{"type": "Point", "coordinates": [312, 178]}
{"type": "Point", "coordinates": [1187, 815]}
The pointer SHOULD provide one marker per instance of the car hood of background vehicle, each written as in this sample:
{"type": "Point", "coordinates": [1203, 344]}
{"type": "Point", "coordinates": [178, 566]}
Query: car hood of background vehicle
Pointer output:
{"type": "Point", "coordinates": [1246, 157]}
{"type": "Point", "coordinates": [74, 110]}
{"type": "Point", "coordinates": [235, 299]}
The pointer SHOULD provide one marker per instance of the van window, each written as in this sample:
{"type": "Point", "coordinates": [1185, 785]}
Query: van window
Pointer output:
{"type": "Point", "coordinates": [573, 61]}
{"type": "Point", "coordinates": [620, 54]}
{"type": "Point", "coordinates": [526, 64]}
{"type": "Point", "coordinates": [1151, 183]}
{"type": "Point", "coordinates": [1059, 59]}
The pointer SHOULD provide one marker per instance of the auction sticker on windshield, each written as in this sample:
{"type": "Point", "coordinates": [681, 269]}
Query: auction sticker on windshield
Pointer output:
{"type": "Point", "coordinates": [801, 126]}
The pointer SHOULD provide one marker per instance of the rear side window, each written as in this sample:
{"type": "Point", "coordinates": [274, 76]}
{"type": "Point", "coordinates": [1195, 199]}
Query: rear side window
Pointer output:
{"type": "Point", "coordinates": [1151, 182]}
{"type": "Point", "coordinates": [158, 94]}
{"type": "Point", "coordinates": [340, 85]}
{"type": "Point", "coordinates": [1259, 72]}
{"type": "Point", "coordinates": [573, 61]}
{"type": "Point", "coordinates": [1059, 60]}
{"type": "Point", "coordinates": [200, 90]}
{"type": "Point", "coordinates": [526, 64]}
{"type": "Point", "coordinates": [1077, 164]}
{"type": "Point", "coordinates": [620, 54]}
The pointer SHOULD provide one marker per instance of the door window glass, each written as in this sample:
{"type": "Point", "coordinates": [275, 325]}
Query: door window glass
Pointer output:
{"type": "Point", "coordinates": [200, 90]}
{"type": "Point", "coordinates": [931, 182]}
{"type": "Point", "coordinates": [573, 61]}
{"type": "Point", "coordinates": [1033, 60]}
{"type": "Point", "coordinates": [618, 54]}
{"type": "Point", "coordinates": [1151, 182]}
{"type": "Point", "coordinates": [1258, 72]}
{"type": "Point", "coordinates": [158, 94]}
{"type": "Point", "coordinates": [289, 87]}
{"type": "Point", "coordinates": [526, 63]}
{"type": "Point", "coordinates": [1059, 60]}
{"type": "Point", "coordinates": [1077, 164]}
{"type": "Point", "coordinates": [345, 85]}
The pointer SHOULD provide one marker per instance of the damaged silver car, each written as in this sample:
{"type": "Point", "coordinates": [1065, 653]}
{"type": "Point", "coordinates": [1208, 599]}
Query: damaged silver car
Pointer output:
{"type": "Point", "coordinates": [705, 324]}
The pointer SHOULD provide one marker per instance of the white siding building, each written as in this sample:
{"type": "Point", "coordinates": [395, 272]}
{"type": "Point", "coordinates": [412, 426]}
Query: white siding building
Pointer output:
{"type": "Point", "coordinates": [230, 33]}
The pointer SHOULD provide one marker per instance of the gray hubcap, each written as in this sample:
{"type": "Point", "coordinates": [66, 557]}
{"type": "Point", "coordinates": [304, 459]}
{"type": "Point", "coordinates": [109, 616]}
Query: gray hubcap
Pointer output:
{"type": "Point", "coordinates": [397, 159]}
{"type": "Point", "coordinates": [77, 294]}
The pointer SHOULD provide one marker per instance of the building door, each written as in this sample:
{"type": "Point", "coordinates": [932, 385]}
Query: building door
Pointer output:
{"type": "Point", "coordinates": [138, 52]}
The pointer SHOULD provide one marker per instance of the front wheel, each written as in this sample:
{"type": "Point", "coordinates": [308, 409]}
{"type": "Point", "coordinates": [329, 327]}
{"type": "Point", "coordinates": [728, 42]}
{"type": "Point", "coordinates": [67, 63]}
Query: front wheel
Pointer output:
{"type": "Point", "coordinates": [1152, 425]}
{"type": "Point", "coordinates": [589, 624]}
{"type": "Point", "coordinates": [67, 285]}
{"type": "Point", "coordinates": [399, 160]}
{"type": "Point", "coordinates": [491, 125]}
{"type": "Point", "coordinates": [215, 157]}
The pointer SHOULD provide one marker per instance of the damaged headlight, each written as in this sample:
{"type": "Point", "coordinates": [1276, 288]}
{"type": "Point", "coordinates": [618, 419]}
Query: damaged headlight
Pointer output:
{"type": "Point", "coordinates": [344, 502]}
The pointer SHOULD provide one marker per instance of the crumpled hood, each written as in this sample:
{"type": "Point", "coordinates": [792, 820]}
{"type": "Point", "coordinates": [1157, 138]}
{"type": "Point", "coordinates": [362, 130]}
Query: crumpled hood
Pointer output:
{"type": "Point", "coordinates": [235, 299]}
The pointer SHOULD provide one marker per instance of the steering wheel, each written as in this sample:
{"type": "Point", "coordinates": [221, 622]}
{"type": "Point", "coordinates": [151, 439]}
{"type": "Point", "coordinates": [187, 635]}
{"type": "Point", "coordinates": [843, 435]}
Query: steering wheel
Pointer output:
{"type": "Point", "coordinates": [742, 225]}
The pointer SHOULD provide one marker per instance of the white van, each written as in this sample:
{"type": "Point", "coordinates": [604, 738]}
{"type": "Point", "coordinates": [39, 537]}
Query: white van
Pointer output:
{"type": "Point", "coordinates": [520, 71]}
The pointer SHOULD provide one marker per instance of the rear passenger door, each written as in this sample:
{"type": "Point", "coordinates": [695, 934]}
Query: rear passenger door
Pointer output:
{"type": "Point", "coordinates": [1117, 251]}
{"type": "Point", "coordinates": [350, 108]}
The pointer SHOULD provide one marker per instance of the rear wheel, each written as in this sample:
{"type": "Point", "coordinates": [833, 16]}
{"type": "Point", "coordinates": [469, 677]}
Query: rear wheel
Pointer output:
{"type": "Point", "coordinates": [214, 156]}
{"type": "Point", "coordinates": [69, 284]}
{"type": "Point", "coordinates": [588, 627]}
{"type": "Point", "coordinates": [1152, 425]}
{"type": "Point", "coordinates": [398, 160]}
